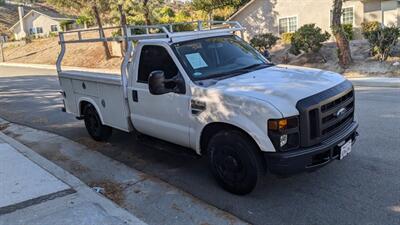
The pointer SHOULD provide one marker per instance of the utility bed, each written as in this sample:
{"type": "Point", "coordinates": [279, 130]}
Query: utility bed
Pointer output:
{"type": "Point", "coordinates": [103, 88]}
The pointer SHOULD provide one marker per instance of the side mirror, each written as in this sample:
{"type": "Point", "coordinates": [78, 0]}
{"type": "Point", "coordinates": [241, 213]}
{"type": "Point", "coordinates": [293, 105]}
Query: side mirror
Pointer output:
{"type": "Point", "coordinates": [157, 83]}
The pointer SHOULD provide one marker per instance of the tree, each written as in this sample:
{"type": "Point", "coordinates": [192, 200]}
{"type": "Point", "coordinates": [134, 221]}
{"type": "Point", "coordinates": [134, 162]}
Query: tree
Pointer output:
{"type": "Point", "coordinates": [84, 20]}
{"type": "Point", "coordinates": [98, 20]}
{"type": "Point", "coordinates": [142, 11]}
{"type": "Point", "coordinates": [342, 43]}
{"type": "Point", "coordinates": [96, 6]}
{"type": "Point", "coordinates": [209, 6]}
{"type": "Point", "coordinates": [123, 24]}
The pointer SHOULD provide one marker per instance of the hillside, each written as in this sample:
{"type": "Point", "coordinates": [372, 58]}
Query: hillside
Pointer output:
{"type": "Point", "coordinates": [8, 17]}
{"type": "Point", "coordinates": [45, 51]}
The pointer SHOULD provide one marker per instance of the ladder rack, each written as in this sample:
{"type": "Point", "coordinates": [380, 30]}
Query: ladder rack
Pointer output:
{"type": "Point", "coordinates": [140, 32]}
{"type": "Point", "coordinates": [131, 33]}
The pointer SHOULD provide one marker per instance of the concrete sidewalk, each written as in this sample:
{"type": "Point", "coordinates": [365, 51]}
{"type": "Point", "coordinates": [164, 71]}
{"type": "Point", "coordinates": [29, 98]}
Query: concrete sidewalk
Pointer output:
{"type": "Point", "coordinates": [33, 191]}
{"type": "Point", "coordinates": [142, 195]}
{"type": "Point", "coordinates": [376, 82]}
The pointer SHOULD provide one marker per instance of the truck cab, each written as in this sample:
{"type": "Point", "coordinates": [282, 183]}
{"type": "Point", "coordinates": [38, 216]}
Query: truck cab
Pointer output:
{"type": "Point", "coordinates": [210, 91]}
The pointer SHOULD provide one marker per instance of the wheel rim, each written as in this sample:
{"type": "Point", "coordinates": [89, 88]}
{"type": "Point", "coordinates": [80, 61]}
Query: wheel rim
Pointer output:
{"type": "Point", "coordinates": [229, 165]}
{"type": "Point", "coordinates": [92, 122]}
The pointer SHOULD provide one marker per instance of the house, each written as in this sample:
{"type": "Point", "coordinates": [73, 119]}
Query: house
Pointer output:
{"type": "Point", "coordinates": [38, 22]}
{"type": "Point", "coordinates": [282, 16]}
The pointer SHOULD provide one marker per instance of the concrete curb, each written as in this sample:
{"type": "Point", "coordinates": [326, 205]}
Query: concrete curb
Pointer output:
{"type": "Point", "coordinates": [376, 82]}
{"type": "Point", "coordinates": [110, 207]}
{"type": "Point", "coordinates": [53, 67]}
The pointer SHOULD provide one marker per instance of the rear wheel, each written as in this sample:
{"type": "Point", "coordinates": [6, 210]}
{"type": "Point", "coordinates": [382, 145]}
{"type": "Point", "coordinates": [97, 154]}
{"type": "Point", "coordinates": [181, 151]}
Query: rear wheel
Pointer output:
{"type": "Point", "coordinates": [235, 161]}
{"type": "Point", "coordinates": [94, 126]}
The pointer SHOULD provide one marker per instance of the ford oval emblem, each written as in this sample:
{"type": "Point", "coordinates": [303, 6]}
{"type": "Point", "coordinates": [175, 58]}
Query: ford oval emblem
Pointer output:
{"type": "Point", "coordinates": [340, 113]}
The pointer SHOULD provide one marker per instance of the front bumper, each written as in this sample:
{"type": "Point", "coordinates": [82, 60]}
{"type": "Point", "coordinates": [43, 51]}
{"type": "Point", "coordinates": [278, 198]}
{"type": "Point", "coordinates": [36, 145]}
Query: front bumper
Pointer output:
{"type": "Point", "coordinates": [307, 159]}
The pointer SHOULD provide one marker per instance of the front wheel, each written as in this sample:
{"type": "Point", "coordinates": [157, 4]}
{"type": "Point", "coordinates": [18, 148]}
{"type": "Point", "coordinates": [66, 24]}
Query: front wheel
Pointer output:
{"type": "Point", "coordinates": [235, 161]}
{"type": "Point", "coordinates": [94, 126]}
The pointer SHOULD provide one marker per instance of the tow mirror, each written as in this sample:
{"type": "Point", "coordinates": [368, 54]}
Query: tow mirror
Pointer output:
{"type": "Point", "coordinates": [157, 83]}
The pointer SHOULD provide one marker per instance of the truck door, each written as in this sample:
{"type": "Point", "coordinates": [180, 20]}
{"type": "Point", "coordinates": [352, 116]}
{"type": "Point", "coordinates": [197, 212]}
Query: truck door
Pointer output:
{"type": "Point", "coordinates": [163, 116]}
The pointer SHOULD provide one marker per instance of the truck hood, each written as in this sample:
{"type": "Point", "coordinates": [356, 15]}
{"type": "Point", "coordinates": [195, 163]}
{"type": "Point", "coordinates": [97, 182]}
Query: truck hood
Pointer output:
{"type": "Point", "coordinates": [282, 86]}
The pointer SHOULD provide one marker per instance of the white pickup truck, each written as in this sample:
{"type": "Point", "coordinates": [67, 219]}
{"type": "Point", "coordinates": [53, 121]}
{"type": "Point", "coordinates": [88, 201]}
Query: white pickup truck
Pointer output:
{"type": "Point", "coordinates": [209, 91]}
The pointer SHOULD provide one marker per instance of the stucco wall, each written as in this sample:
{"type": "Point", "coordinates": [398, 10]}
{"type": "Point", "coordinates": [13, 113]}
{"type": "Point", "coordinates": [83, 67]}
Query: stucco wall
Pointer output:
{"type": "Point", "coordinates": [33, 20]}
{"type": "Point", "coordinates": [386, 12]}
{"type": "Point", "coordinates": [390, 11]}
{"type": "Point", "coordinates": [258, 17]}
{"type": "Point", "coordinates": [263, 15]}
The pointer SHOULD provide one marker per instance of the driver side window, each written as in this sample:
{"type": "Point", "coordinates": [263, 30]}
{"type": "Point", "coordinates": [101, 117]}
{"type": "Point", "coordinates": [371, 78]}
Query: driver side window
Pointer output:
{"type": "Point", "coordinates": [153, 58]}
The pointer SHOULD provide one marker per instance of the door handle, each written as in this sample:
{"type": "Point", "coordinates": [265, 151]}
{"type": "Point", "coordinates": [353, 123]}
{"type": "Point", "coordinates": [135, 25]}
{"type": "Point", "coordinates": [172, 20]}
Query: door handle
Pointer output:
{"type": "Point", "coordinates": [134, 95]}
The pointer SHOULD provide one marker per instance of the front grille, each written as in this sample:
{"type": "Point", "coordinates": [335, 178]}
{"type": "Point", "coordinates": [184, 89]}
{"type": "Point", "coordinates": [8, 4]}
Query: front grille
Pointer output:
{"type": "Point", "coordinates": [326, 113]}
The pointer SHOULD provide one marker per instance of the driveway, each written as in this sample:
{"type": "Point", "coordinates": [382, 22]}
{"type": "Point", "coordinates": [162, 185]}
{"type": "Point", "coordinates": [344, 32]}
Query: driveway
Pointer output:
{"type": "Point", "coordinates": [363, 188]}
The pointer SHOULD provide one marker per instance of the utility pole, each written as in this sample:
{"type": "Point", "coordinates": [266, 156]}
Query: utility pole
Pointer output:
{"type": "Point", "coordinates": [1, 51]}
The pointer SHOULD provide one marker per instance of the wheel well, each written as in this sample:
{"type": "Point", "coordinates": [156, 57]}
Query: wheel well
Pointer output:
{"type": "Point", "coordinates": [213, 128]}
{"type": "Point", "coordinates": [82, 106]}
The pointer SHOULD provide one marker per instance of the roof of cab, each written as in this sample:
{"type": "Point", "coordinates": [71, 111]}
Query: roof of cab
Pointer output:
{"type": "Point", "coordinates": [188, 37]}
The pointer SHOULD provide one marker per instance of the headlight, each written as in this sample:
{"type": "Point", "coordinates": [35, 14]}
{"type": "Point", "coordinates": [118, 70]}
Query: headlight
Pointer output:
{"type": "Point", "coordinates": [284, 133]}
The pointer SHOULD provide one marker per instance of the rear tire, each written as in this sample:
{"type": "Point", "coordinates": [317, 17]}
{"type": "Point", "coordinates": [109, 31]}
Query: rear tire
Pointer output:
{"type": "Point", "coordinates": [94, 126]}
{"type": "Point", "coordinates": [235, 161]}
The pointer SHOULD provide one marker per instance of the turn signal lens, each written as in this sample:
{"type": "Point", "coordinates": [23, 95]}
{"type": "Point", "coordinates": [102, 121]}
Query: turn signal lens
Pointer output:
{"type": "Point", "coordinates": [277, 124]}
{"type": "Point", "coordinates": [282, 124]}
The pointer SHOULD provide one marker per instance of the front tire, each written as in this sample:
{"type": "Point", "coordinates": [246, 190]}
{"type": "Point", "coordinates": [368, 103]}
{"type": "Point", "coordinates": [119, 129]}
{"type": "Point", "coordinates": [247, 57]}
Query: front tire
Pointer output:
{"type": "Point", "coordinates": [235, 161]}
{"type": "Point", "coordinates": [94, 126]}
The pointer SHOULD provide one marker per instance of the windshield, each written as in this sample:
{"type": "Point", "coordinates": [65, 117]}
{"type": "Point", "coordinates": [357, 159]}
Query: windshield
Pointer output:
{"type": "Point", "coordinates": [218, 57]}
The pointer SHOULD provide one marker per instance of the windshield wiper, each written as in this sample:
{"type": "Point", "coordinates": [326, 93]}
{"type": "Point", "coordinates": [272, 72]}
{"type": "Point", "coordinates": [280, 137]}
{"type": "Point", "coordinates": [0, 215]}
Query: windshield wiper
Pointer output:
{"type": "Point", "coordinates": [238, 71]}
{"type": "Point", "coordinates": [262, 65]}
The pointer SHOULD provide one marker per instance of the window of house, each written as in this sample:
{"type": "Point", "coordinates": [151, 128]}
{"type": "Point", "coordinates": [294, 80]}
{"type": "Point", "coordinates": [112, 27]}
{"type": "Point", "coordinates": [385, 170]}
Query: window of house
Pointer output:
{"type": "Point", "coordinates": [154, 58]}
{"type": "Point", "coordinates": [54, 28]}
{"type": "Point", "coordinates": [287, 24]}
{"type": "Point", "coordinates": [32, 31]}
{"type": "Point", "coordinates": [348, 15]}
{"type": "Point", "coordinates": [39, 30]}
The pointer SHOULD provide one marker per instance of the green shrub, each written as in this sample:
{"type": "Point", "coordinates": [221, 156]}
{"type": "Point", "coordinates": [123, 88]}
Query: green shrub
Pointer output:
{"type": "Point", "coordinates": [287, 38]}
{"type": "Point", "coordinates": [308, 38]}
{"type": "Point", "coordinates": [382, 41]}
{"type": "Point", "coordinates": [84, 19]}
{"type": "Point", "coordinates": [263, 42]}
{"type": "Point", "coordinates": [53, 34]}
{"type": "Point", "coordinates": [116, 33]}
{"type": "Point", "coordinates": [368, 27]}
{"type": "Point", "coordinates": [348, 31]}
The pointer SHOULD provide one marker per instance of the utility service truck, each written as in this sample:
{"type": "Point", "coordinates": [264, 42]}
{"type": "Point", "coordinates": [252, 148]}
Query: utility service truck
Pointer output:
{"type": "Point", "coordinates": [208, 90]}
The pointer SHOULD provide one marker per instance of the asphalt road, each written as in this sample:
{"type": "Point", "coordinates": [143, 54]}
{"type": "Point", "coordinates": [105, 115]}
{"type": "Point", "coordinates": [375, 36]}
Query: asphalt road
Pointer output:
{"type": "Point", "coordinates": [364, 188]}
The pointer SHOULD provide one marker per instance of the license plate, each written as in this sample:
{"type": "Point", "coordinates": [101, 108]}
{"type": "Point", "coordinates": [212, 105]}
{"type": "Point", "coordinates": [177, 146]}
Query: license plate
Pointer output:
{"type": "Point", "coordinates": [345, 149]}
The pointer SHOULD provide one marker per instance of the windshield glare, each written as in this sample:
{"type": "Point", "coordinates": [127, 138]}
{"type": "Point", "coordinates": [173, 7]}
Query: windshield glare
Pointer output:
{"type": "Point", "coordinates": [217, 57]}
